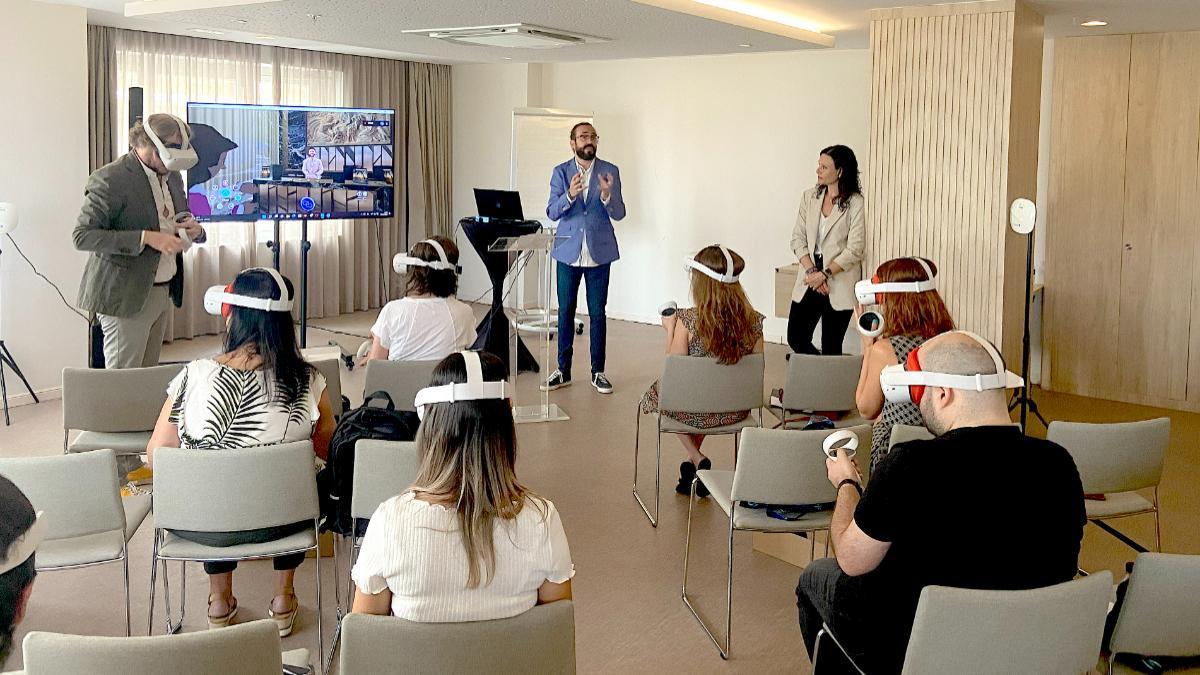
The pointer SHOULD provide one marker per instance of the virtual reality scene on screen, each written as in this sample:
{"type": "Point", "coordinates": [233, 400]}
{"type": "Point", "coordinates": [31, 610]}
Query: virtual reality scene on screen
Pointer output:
{"type": "Point", "coordinates": [263, 162]}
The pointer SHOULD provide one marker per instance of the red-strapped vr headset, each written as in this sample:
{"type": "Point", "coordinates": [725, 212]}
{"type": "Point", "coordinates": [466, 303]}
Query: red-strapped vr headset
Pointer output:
{"type": "Point", "coordinates": [906, 383]}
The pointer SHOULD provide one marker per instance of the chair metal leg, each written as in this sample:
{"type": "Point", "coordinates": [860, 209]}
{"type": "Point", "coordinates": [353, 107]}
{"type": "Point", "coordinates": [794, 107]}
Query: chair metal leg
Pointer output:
{"type": "Point", "coordinates": [825, 631]}
{"type": "Point", "coordinates": [182, 595]}
{"type": "Point", "coordinates": [724, 651]}
{"type": "Point", "coordinates": [828, 538]}
{"type": "Point", "coordinates": [317, 567]}
{"type": "Point", "coordinates": [337, 599]}
{"type": "Point", "coordinates": [153, 575]}
{"type": "Point", "coordinates": [167, 595]}
{"type": "Point", "coordinates": [735, 448]}
{"type": "Point", "coordinates": [653, 518]}
{"type": "Point", "coordinates": [1157, 530]}
{"type": "Point", "coordinates": [812, 546]}
{"type": "Point", "coordinates": [125, 566]}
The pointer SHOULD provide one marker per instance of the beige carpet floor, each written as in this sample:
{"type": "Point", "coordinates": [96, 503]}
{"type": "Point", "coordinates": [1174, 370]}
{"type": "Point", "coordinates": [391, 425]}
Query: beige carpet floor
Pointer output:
{"type": "Point", "coordinates": [629, 617]}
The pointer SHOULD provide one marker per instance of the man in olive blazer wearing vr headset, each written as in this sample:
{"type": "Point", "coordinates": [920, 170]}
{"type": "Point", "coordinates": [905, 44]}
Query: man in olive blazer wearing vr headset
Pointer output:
{"type": "Point", "coordinates": [133, 211]}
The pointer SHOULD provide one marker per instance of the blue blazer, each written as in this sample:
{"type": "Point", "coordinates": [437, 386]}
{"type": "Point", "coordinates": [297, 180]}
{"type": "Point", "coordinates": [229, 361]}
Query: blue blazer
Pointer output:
{"type": "Point", "coordinates": [585, 218]}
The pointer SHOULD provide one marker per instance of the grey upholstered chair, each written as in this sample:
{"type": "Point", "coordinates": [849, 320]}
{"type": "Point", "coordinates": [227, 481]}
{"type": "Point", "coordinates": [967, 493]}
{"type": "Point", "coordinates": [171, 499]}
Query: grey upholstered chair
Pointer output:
{"type": "Point", "coordinates": [903, 433]}
{"type": "Point", "coordinates": [1161, 612]}
{"type": "Point", "coordinates": [87, 521]}
{"type": "Point", "coordinates": [331, 369]}
{"type": "Point", "coordinates": [775, 467]}
{"type": "Point", "coordinates": [251, 647]}
{"type": "Point", "coordinates": [820, 383]}
{"type": "Point", "coordinates": [701, 385]}
{"type": "Point", "coordinates": [382, 470]}
{"type": "Point", "coordinates": [231, 490]}
{"type": "Point", "coordinates": [113, 409]}
{"type": "Point", "coordinates": [1116, 460]}
{"type": "Point", "coordinates": [1056, 629]}
{"type": "Point", "coordinates": [541, 640]}
{"type": "Point", "coordinates": [400, 379]}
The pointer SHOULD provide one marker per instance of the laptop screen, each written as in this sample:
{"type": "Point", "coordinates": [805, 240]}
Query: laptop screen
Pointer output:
{"type": "Point", "coordinates": [499, 204]}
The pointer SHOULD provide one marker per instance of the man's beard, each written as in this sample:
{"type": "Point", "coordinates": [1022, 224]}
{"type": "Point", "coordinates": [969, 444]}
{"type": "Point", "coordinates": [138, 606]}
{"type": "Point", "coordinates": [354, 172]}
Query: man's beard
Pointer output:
{"type": "Point", "coordinates": [933, 424]}
{"type": "Point", "coordinates": [586, 153]}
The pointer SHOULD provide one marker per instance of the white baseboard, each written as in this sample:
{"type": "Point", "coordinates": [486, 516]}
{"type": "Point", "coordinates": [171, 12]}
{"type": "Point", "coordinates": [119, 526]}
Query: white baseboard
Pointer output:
{"type": "Point", "coordinates": [50, 394]}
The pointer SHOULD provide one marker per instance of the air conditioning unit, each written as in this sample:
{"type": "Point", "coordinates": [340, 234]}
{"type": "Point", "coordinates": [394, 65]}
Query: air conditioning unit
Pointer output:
{"type": "Point", "coordinates": [512, 35]}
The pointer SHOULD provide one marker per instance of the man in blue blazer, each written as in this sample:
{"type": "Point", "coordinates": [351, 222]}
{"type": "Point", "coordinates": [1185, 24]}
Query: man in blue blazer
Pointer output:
{"type": "Point", "coordinates": [585, 197]}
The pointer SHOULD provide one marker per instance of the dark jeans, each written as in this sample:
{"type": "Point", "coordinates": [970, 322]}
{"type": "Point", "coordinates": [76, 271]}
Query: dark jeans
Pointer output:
{"type": "Point", "coordinates": [827, 595]}
{"type": "Point", "coordinates": [802, 322]}
{"type": "Point", "coordinates": [222, 539]}
{"type": "Point", "coordinates": [596, 279]}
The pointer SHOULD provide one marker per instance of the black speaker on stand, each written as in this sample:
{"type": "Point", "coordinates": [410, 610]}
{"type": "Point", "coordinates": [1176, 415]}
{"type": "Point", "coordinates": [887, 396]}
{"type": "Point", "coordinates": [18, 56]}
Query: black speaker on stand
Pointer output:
{"type": "Point", "coordinates": [1022, 216]}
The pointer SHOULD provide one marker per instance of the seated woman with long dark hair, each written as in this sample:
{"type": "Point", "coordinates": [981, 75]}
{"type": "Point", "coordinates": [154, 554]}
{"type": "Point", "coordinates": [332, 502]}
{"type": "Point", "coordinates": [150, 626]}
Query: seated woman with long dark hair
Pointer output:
{"type": "Point", "coordinates": [909, 319]}
{"type": "Point", "coordinates": [258, 391]}
{"type": "Point", "coordinates": [723, 325]}
{"type": "Point", "coordinates": [468, 541]}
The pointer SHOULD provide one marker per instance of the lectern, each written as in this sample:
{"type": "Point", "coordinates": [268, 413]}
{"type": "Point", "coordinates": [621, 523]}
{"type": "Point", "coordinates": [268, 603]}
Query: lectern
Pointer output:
{"type": "Point", "coordinates": [492, 332]}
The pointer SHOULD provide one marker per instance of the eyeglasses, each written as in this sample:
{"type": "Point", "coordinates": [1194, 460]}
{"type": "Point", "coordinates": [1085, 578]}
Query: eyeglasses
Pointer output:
{"type": "Point", "coordinates": [587, 137]}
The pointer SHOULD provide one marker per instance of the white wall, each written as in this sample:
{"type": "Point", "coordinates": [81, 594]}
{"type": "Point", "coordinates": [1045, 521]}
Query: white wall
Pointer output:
{"type": "Point", "coordinates": [711, 149]}
{"type": "Point", "coordinates": [43, 138]}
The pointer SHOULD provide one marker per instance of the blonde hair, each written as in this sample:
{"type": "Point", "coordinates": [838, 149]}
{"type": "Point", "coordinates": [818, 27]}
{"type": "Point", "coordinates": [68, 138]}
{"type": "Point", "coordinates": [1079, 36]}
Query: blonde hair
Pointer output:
{"type": "Point", "coordinates": [725, 320]}
{"type": "Point", "coordinates": [468, 458]}
{"type": "Point", "coordinates": [164, 126]}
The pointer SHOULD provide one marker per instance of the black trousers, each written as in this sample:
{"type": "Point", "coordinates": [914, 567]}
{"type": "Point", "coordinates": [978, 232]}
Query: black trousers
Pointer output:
{"type": "Point", "coordinates": [280, 563]}
{"type": "Point", "coordinates": [854, 612]}
{"type": "Point", "coordinates": [802, 323]}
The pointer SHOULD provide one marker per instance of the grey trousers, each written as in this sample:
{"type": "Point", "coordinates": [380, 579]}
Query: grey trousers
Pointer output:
{"type": "Point", "coordinates": [135, 341]}
{"type": "Point", "coordinates": [855, 613]}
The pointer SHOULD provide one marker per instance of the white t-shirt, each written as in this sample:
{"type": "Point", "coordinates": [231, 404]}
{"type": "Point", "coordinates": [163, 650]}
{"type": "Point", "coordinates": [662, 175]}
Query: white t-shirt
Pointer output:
{"type": "Point", "coordinates": [424, 329]}
{"type": "Point", "coordinates": [413, 548]}
{"type": "Point", "coordinates": [218, 407]}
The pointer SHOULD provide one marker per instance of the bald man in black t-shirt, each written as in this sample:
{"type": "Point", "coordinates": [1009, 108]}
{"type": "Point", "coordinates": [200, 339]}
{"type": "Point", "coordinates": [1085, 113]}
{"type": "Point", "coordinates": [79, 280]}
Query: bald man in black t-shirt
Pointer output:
{"type": "Point", "coordinates": [979, 506]}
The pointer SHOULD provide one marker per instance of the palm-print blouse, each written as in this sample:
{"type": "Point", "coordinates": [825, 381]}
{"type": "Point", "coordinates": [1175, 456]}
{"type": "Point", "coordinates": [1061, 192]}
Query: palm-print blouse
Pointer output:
{"type": "Point", "coordinates": [218, 407]}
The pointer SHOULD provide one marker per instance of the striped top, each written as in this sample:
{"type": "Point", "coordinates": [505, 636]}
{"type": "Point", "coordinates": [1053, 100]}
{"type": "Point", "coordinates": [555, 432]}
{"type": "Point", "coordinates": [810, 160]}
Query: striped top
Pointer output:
{"type": "Point", "coordinates": [413, 548]}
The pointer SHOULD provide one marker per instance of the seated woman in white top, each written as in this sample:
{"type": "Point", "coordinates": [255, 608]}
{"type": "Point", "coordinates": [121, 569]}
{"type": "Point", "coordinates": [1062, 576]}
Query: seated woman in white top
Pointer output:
{"type": "Point", "coordinates": [429, 322]}
{"type": "Point", "coordinates": [467, 542]}
{"type": "Point", "coordinates": [259, 391]}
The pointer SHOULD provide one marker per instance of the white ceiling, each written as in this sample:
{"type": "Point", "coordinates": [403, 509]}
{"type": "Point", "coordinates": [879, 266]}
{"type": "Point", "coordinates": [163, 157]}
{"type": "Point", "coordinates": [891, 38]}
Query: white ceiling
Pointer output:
{"type": "Point", "coordinates": [373, 27]}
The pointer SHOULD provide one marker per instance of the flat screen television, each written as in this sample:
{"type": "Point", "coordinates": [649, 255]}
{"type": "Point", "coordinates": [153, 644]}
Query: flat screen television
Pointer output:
{"type": "Point", "coordinates": [271, 162]}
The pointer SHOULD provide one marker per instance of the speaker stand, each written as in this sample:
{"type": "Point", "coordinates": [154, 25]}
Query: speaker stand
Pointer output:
{"type": "Point", "coordinates": [7, 360]}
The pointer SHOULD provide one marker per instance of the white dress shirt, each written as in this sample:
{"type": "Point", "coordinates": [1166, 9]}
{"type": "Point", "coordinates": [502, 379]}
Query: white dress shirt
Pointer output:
{"type": "Point", "coordinates": [585, 258]}
{"type": "Point", "coordinates": [165, 208]}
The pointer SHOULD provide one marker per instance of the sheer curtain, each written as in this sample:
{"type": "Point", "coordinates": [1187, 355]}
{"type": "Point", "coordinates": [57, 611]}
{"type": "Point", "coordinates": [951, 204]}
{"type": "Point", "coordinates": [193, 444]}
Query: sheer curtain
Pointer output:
{"type": "Point", "coordinates": [349, 261]}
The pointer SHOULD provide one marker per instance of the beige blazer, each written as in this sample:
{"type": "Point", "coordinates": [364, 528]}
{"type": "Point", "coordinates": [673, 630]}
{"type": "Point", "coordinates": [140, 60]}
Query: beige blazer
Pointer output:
{"type": "Point", "coordinates": [843, 242]}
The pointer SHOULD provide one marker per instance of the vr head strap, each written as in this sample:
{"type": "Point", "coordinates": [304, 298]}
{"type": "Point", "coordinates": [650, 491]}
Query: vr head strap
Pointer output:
{"type": "Point", "coordinates": [402, 261]}
{"type": "Point", "coordinates": [906, 383]}
{"type": "Point", "coordinates": [474, 389]}
{"type": "Point", "coordinates": [222, 299]}
{"type": "Point", "coordinates": [175, 159]}
{"type": "Point", "coordinates": [728, 277]}
{"type": "Point", "coordinates": [869, 292]}
{"type": "Point", "coordinates": [25, 545]}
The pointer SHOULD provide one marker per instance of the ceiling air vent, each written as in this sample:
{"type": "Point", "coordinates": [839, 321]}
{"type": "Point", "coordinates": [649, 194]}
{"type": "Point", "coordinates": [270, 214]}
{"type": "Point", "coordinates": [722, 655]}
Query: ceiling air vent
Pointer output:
{"type": "Point", "coordinates": [512, 35]}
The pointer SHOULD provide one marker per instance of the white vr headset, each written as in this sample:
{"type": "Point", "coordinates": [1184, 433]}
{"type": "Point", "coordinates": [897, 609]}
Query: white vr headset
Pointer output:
{"type": "Point", "coordinates": [221, 299]}
{"type": "Point", "coordinates": [402, 262]}
{"type": "Point", "coordinates": [474, 389]}
{"type": "Point", "coordinates": [727, 278]}
{"type": "Point", "coordinates": [175, 159]}
{"type": "Point", "coordinates": [905, 383]}
{"type": "Point", "coordinates": [25, 545]}
{"type": "Point", "coordinates": [870, 323]}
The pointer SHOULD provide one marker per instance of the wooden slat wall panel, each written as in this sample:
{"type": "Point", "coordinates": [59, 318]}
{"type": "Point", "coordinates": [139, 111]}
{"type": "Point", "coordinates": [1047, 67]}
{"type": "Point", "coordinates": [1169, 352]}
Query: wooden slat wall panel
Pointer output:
{"type": "Point", "coordinates": [937, 185]}
{"type": "Point", "coordinates": [1161, 207]}
{"type": "Point", "coordinates": [1084, 214]}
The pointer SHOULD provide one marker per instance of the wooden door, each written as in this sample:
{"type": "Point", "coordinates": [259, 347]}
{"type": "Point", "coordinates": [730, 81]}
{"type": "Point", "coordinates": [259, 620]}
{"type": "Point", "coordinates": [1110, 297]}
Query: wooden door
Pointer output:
{"type": "Point", "coordinates": [1084, 215]}
{"type": "Point", "coordinates": [1161, 206]}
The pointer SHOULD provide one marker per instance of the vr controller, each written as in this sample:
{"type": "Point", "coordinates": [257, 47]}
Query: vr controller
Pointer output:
{"type": "Point", "coordinates": [182, 231]}
{"type": "Point", "coordinates": [668, 308]}
{"type": "Point", "coordinates": [844, 440]}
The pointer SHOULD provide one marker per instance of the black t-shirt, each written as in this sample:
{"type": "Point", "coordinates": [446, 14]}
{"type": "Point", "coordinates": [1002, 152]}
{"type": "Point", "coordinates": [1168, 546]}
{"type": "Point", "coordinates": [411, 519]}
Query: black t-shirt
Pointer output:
{"type": "Point", "coordinates": [979, 507]}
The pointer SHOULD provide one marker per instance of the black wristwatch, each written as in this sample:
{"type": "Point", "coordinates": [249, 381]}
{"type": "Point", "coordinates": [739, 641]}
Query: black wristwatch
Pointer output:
{"type": "Point", "coordinates": [853, 482]}
{"type": "Point", "coordinates": [828, 274]}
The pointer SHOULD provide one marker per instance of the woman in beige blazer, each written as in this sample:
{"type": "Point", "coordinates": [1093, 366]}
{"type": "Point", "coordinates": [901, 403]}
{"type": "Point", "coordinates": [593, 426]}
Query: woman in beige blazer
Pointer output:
{"type": "Point", "coordinates": [829, 240]}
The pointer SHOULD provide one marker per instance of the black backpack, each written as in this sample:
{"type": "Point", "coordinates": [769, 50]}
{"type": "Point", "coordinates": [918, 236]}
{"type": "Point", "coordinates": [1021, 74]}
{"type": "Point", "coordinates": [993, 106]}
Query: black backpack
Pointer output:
{"type": "Point", "coordinates": [335, 481]}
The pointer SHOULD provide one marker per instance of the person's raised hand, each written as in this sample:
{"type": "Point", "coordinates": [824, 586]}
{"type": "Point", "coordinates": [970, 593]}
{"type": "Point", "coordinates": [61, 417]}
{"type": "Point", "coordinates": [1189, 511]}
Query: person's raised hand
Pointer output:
{"type": "Point", "coordinates": [161, 241]}
{"type": "Point", "coordinates": [576, 186]}
{"type": "Point", "coordinates": [606, 184]}
{"type": "Point", "coordinates": [841, 468]}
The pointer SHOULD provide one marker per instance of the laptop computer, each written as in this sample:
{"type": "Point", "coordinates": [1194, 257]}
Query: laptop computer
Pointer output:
{"type": "Point", "coordinates": [499, 204]}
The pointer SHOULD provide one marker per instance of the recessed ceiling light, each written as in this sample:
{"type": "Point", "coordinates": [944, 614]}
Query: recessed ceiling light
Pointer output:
{"type": "Point", "coordinates": [207, 31]}
{"type": "Point", "coordinates": [508, 58]}
{"type": "Point", "coordinates": [1094, 23]}
{"type": "Point", "coordinates": [760, 12]}
{"type": "Point", "coordinates": [746, 45]}
{"type": "Point", "coordinates": [240, 21]}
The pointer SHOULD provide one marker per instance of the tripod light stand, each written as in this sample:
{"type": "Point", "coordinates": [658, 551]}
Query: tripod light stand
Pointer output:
{"type": "Point", "coordinates": [8, 223]}
{"type": "Point", "coordinates": [1021, 217]}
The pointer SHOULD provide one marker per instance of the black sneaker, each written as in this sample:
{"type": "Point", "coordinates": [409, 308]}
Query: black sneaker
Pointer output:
{"type": "Point", "coordinates": [556, 381]}
{"type": "Point", "coordinates": [687, 471]}
{"type": "Point", "coordinates": [601, 383]}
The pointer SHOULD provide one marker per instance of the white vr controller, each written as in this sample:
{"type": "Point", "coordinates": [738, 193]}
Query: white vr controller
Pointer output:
{"type": "Point", "coordinates": [870, 322]}
{"type": "Point", "coordinates": [844, 440]}
{"type": "Point", "coordinates": [402, 261]}
{"type": "Point", "coordinates": [668, 308]}
{"type": "Point", "coordinates": [474, 389]}
{"type": "Point", "coordinates": [175, 159]}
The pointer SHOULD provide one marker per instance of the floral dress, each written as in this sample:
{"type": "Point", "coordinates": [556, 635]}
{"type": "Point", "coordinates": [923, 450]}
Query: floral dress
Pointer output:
{"type": "Point", "coordinates": [895, 413]}
{"type": "Point", "coordinates": [649, 404]}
